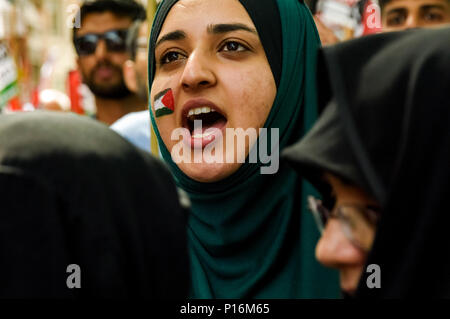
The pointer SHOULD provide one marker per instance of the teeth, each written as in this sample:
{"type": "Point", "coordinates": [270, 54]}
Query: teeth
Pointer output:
{"type": "Point", "coordinates": [200, 110]}
{"type": "Point", "coordinates": [207, 135]}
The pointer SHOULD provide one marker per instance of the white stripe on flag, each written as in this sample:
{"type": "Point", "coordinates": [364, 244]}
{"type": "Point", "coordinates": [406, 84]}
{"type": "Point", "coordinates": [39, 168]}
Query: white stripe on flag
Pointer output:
{"type": "Point", "coordinates": [159, 104]}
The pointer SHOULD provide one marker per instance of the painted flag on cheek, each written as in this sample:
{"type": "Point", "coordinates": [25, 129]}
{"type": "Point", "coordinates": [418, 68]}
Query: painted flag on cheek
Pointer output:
{"type": "Point", "coordinates": [164, 103]}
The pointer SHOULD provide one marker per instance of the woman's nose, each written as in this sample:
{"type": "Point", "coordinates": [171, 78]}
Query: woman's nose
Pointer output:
{"type": "Point", "coordinates": [198, 72]}
{"type": "Point", "coordinates": [335, 250]}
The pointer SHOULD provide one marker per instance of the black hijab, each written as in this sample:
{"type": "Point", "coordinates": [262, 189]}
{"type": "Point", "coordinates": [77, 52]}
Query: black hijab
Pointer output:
{"type": "Point", "coordinates": [386, 129]}
{"type": "Point", "coordinates": [74, 192]}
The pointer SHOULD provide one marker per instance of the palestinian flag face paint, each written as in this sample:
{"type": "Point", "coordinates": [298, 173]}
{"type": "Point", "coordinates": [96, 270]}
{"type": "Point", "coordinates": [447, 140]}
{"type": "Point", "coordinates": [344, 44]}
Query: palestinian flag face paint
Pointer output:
{"type": "Point", "coordinates": [164, 103]}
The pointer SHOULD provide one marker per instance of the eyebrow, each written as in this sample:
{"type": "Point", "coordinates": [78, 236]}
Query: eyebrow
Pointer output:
{"type": "Point", "coordinates": [229, 27]}
{"type": "Point", "coordinates": [171, 36]}
{"type": "Point", "coordinates": [396, 11]}
{"type": "Point", "coordinates": [212, 28]}
{"type": "Point", "coordinates": [433, 6]}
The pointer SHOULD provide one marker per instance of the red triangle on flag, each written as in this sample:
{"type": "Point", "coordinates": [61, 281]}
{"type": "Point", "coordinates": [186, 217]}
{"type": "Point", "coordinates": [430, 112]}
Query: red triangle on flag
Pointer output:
{"type": "Point", "coordinates": [168, 100]}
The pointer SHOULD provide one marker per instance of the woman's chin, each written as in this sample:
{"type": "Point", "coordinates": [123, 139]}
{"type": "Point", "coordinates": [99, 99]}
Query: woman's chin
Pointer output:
{"type": "Point", "coordinates": [208, 172]}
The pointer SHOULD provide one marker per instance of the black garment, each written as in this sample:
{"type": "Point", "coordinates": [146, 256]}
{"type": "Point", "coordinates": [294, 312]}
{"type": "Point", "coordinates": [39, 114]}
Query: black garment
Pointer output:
{"type": "Point", "coordinates": [387, 130]}
{"type": "Point", "coordinates": [74, 192]}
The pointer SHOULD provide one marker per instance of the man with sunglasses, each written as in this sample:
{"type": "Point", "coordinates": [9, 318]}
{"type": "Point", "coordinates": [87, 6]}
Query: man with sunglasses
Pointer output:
{"type": "Point", "coordinates": [100, 44]}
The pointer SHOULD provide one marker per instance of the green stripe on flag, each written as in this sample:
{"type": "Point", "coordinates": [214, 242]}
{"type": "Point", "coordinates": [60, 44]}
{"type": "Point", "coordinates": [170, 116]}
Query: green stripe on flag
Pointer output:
{"type": "Point", "coordinates": [163, 111]}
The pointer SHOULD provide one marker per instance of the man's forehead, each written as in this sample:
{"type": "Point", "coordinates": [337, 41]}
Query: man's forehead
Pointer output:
{"type": "Point", "coordinates": [397, 3]}
{"type": "Point", "coordinates": [103, 21]}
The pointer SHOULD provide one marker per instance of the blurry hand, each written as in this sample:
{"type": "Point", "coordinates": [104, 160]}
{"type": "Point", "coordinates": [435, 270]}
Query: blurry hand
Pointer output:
{"type": "Point", "coordinates": [327, 36]}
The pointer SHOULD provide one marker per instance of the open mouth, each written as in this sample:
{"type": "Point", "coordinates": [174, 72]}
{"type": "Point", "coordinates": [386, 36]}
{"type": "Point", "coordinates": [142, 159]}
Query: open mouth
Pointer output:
{"type": "Point", "coordinates": [211, 120]}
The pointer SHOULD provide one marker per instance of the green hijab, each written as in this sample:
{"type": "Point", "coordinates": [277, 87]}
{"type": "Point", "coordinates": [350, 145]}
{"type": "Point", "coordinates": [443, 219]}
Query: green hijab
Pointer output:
{"type": "Point", "coordinates": [248, 234]}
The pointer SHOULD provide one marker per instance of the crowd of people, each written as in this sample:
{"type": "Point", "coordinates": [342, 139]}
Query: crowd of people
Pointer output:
{"type": "Point", "coordinates": [167, 193]}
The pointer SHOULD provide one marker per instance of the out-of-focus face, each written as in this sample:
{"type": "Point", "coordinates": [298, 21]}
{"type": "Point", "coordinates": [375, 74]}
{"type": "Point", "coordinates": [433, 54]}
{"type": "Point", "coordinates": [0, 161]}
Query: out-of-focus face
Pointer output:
{"type": "Point", "coordinates": [405, 14]}
{"type": "Point", "coordinates": [335, 249]}
{"type": "Point", "coordinates": [102, 70]}
{"type": "Point", "coordinates": [210, 55]}
{"type": "Point", "coordinates": [141, 59]}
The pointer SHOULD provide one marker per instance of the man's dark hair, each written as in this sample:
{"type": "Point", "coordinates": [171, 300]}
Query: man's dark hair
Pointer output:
{"type": "Point", "coordinates": [121, 8]}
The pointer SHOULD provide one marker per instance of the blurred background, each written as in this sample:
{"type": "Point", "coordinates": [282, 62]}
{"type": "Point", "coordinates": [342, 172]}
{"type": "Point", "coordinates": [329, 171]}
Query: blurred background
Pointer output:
{"type": "Point", "coordinates": [37, 58]}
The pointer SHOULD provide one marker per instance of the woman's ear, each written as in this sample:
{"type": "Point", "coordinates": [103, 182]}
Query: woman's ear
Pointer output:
{"type": "Point", "coordinates": [129, 75]}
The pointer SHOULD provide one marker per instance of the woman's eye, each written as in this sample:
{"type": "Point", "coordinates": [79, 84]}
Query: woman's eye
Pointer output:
{"type": "Point", "coordinates": [233, 46]}
{"type": "Point", "coordinates": [170, 57]}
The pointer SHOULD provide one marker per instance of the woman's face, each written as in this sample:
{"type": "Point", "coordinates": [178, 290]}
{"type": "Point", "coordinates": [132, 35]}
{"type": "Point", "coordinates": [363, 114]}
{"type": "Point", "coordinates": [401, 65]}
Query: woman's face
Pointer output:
{"type": "Point", "coordinates": [210, 55]}
{"type": "Point", "coordinates": [334, 248]}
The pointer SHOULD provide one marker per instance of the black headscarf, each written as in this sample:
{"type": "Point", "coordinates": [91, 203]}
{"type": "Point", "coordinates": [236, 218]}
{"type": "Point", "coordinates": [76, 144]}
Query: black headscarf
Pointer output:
{"type": "Point", "coordinates": [74, 192]}
{"type": "Point", "coordinates": [386, 129]}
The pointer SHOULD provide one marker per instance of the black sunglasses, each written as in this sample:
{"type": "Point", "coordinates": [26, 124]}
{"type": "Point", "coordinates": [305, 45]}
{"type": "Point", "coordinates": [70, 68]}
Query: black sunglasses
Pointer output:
{"type": "Point", "coordinates": [115, 41]}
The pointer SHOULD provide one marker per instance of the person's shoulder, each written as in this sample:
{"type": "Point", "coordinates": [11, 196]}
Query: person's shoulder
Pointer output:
{"type": "Point", "coordinates": [132, 120]}
{"type": "Point", "coordinates": [135, 127]}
